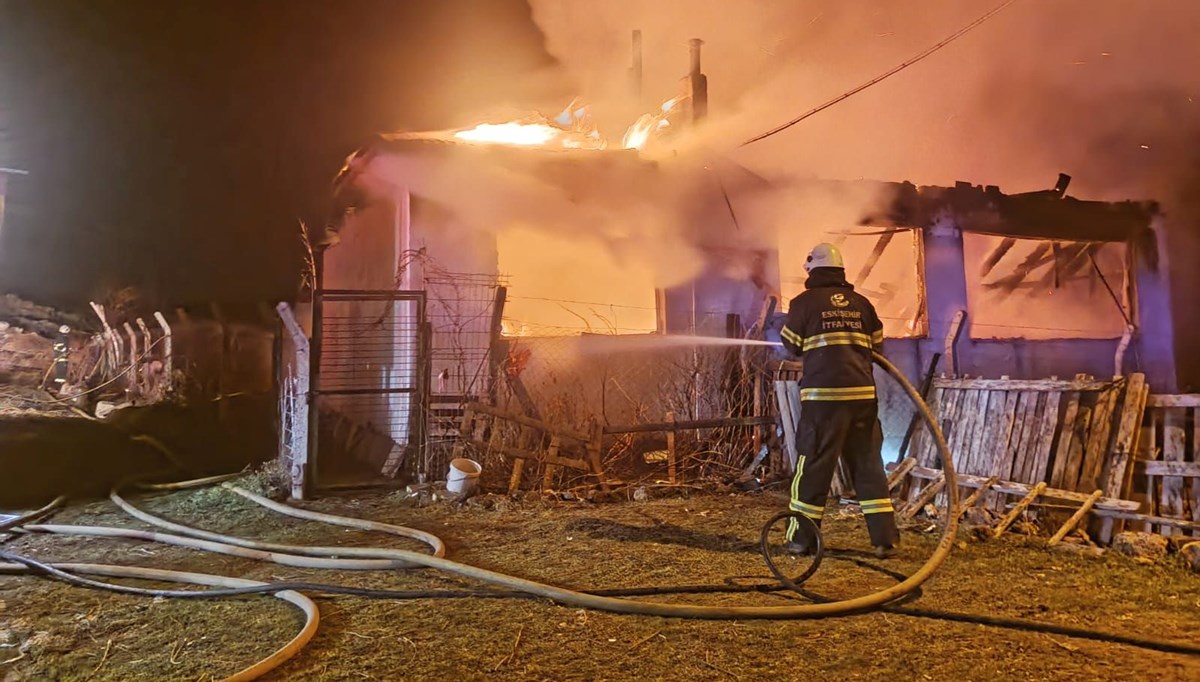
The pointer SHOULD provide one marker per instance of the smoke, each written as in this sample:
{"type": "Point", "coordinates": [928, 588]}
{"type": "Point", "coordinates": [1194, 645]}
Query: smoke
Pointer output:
{"type": "Point", "coordinates": [1104, 90]}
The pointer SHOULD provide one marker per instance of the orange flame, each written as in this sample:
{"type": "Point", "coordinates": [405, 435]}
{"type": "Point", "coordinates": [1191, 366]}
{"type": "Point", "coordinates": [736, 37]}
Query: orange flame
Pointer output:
{"type": "Point", "coordinates": [570, 129]}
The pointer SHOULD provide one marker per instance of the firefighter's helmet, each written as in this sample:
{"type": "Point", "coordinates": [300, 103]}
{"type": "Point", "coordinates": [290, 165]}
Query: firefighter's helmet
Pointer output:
{"type": "Point", "coordinates": [824, 255]}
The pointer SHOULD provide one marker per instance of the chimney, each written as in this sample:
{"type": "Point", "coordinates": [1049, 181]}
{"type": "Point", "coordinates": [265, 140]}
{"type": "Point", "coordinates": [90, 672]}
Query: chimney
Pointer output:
{"type": "Point", "coordinates": [635, 70]}
{"type": "Point", "coordinates": [697, 83]}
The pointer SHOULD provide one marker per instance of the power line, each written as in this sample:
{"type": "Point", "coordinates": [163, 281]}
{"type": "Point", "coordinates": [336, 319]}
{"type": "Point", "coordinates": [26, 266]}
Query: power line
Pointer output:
{"type": "Point", "coordinates": [846, 95]}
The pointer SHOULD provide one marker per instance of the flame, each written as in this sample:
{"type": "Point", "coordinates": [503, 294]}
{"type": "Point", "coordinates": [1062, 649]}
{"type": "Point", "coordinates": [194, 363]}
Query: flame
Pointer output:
{"type": "Point", "coordinates": [572, 128]}
{"type": "Point", "coordinates": [647, 124]}
{"type": "Point", "coordinates": [519, 134]}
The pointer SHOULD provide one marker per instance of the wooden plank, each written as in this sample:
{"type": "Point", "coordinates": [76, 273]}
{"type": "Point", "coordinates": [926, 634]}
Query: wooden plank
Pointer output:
{"type": "Point", "coordinates": [925, 448]}
{"type": "Point", "coordinates": [1174, 449]}
{"type": "Point", "coordinates": [1045, 439]}
{"type": "Point", "coordinates": [1017, 510]}
{"type": "Point", "coordinates": [923, 498]}
{"type": "Point", "coordinates": [1098, 439]}
{"type": "Point", "coordinates": [1033, 402]}
{"type": "Point", "coordinates": [696, 424]}
{"type": "Point", "coordinates": [1004, 467]}
{"type": "Point", "coordinates": [523, 420]}
{"type": "Point", "coordinates": [1009, 425]}
{"type": "Point", "coordinates": [1135, 447]}
{"type": "Point", "coordinates": [1195, 483]}
{"type": "Point", "coordinates": [1047, 385]}
{"type": "Point", "coordinates": [995, 435]}
{"type": "Point", "coordinates": [1184, 400]}
{"type": "Point", "coordinates": [1066, 434]}
{"type": "Point", "coordinates": [1181, 469]}
{"type": "Point", "coordinates": [948, 420]}
{"type": "Point", "coordinates": [1147, 519]}
{"type": "Point", "coordinates": [975, 420]}
{"type": "Point", "coordinates": [1014, 488]}
{"type": "Point", "coordinates": [1153, 451]}
{"type": "Point", "coordinates": [979, 493]}
{"type": "Point", "coordinates": [1075, 456]}
{"type": "Point", "coordinates": [551, 457]}
{"type": "Point", "coordinates": [958, 402]}
{"type": "Point", "coordinates": [900, 472]}
{"type": "Point", "coordinates": [789, 426]}
{"type": "Point", "coordinates": [1130, 421]}
{"type": "Point", "coordinates": [1076, 517]}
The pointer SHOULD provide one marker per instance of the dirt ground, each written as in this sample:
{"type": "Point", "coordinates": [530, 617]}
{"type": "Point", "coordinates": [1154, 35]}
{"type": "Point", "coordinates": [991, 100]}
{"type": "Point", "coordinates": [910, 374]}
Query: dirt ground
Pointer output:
{"type": "Point", "coordinates": [49, 631]}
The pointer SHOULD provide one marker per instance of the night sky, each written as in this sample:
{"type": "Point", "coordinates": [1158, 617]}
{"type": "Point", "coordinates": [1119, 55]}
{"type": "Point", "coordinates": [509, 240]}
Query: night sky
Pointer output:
{"type": "Point", "coordinates": [173, 146]}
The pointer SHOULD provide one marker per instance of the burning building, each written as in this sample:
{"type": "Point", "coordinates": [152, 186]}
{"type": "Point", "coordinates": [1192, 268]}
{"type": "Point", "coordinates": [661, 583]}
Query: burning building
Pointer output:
{"type": "Point", "coordinates": [448, 246]}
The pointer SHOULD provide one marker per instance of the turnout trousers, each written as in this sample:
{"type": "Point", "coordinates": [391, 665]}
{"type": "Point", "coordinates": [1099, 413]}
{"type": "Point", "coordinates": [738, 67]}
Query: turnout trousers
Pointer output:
{"type": "Point", "coordinates": [849, 430]}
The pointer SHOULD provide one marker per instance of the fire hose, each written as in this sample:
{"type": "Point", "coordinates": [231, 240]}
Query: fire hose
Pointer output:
{"type": "Point", "coordinates": [345, 558]}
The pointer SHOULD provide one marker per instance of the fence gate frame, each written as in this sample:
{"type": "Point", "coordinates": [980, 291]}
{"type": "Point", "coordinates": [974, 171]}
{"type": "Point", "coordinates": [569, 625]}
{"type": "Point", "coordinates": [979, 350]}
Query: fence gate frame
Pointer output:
{"type": "Point", "coordinates": [416, 445]}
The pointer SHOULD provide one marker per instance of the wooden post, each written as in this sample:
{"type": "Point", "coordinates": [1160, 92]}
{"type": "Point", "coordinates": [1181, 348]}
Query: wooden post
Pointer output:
{"type": "Point", "coordinates": [594, 446]}
{"type": "Point", "coordinates": [133, 386]}
{"type": "Point", "coordinates": [466, 431]}
{"type": "Point", "coordinates": [167, 353]}
{"type": "Point", "coordinates": [900, 472]}
{"type": "Point", "coordinates": [147, 345]}
{"type": "Point", "coordinates": [495, 359]}
{"type": "Point", "coordinates": [923, 498]}
{"type": "Point", "coordinates": [297, 449]}
{"type": "Point", "coordinates": [1018, 509]}
{"type": "Point", "coordinates": [1076, 517]}
{"type": "Point", "coordinates": [551, 456]}
{"type": "Point", "coordinates": [670, 419]}
{"type": "Point", "coordinates": [952, 339]}
{"type": "Point", "coordinates": [978, 494]}
{"type": "Point", "coordinates": [514, 481]}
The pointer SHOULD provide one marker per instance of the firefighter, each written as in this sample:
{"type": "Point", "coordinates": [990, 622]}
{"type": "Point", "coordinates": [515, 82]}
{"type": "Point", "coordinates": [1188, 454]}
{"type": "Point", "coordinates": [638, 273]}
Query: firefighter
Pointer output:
{"type": "Point", "coordinates": [834, 329]}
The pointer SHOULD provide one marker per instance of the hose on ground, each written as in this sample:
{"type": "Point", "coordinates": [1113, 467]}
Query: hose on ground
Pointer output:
{"type": "Point", "coordinates": [62, 572]}
{"type": "Point", "coordinates": [312, 616]}
{"type": "Point", "coordinates": [224, 544]}
{"type": "Point", "coordinates": [34, 515]}
{"type": "Point", "coordinates": [394, 558]}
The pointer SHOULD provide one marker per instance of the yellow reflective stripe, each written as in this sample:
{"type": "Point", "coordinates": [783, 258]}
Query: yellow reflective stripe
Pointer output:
{"type": "Point", "coordinates": [879, 506]}
{"type": "Point", "coordinates": [792, 525]}
{"type": "Point", "coordinates": [796, 478]}
{"type": "Point", "coordinates": [837, 339]}
{"type": "Point", "coordinates": [871, 503]}
{"type": "Point", "coordinates": [877, 337]}
{"type": "Point", "coordinates": [848, 393]}
{"type": "Point", "coordinates": [812, 511]}
{"type": "Point", "coordinates": [792, 336]}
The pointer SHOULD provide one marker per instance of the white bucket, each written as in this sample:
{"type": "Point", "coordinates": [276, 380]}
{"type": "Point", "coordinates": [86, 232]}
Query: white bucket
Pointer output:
{"type": "Point", "coordinates": [463, 475]}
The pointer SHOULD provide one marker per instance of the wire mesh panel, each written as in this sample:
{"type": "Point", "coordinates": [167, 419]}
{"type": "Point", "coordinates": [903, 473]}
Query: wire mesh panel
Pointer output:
{"type": "Point", "coordinates": [462, 317]}
{"type": "Point", "coordinates": [371, 386]}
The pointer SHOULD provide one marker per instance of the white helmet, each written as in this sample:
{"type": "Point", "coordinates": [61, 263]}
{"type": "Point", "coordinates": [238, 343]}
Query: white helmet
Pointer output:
{"type": "Point", "coordinates": [823, 255]}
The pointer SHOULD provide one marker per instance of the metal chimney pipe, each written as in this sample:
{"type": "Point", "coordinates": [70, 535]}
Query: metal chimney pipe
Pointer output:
{"type": "Point", "coordinates": [635, 71]}
{"type": "Point", "coordinates": [698, 83]}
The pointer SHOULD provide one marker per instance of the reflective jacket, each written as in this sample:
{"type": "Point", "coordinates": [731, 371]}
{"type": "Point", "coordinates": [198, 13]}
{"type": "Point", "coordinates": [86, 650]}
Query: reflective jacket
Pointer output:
{"type": "Point", "coordinates": [833, 329]}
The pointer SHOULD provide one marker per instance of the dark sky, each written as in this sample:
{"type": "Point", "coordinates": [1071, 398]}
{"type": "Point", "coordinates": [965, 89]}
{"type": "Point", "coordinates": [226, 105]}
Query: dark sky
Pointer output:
{"type": "Point", "coordinates": [174, 145]}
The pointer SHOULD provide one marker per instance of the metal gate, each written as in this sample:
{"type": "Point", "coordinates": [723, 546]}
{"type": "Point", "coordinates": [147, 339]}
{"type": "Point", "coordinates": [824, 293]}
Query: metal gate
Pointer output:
{"type": "Point", "coordinates": [371, 387]}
